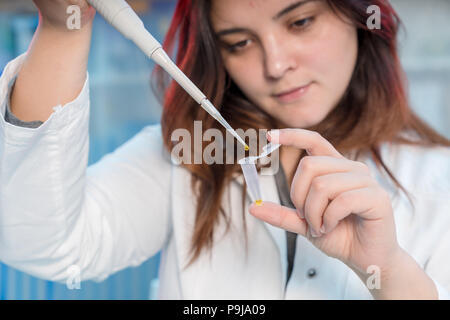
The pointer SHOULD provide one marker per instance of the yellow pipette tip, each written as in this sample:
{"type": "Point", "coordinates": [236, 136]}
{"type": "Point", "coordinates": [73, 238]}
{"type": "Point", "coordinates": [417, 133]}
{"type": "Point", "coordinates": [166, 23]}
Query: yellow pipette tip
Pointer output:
{"type": "Point", "coordinates": [246, 148]}
{"type": "Point", "coordinates": [258, 202]}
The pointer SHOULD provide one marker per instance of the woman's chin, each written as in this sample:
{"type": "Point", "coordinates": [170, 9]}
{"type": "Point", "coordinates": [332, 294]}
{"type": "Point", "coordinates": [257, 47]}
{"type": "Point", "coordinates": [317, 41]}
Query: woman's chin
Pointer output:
{"type": "Point", "coordinates": [300, 121]}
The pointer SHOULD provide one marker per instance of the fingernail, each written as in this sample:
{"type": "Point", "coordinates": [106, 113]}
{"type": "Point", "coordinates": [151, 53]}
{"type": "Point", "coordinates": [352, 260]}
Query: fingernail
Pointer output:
{"type": "Point", "coordinates": [300, 213]}
{"type": "Point", "coordinates": [313, 233]}
{"type": "Point", "coordinates": [322, 229]}
{"type": "Point", "coordinates": [273, 135]}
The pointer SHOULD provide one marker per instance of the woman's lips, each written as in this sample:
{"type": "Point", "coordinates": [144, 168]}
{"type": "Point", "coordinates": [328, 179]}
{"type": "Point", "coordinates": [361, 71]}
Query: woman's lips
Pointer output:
{"type": "Point", "coordinates": [293, 95]}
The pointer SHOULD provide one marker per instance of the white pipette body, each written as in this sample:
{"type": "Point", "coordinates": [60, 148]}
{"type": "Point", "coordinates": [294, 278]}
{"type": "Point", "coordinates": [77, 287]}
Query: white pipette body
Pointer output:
{"type": "Point", "coordinates": [122, 17]}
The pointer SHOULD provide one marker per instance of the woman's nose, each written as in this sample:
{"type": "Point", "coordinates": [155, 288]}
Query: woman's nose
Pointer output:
{"type": "Point", "coordinates": [279, 57]}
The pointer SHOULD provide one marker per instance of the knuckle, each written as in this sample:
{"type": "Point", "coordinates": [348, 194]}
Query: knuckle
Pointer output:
{"type": "Point", "coordinates": [344, 200]}
{"type": "Point", "coordinates": [306, 163]}
{"type": "Point", "coordinates": [319, 184]}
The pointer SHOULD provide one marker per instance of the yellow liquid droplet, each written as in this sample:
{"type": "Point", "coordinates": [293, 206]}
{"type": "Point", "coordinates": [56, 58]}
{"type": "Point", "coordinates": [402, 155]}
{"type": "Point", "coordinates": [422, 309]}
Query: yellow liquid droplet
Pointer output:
{"type": "Point", "coordinates": [246, 148]}
{"type": "Point", "coordinates": [258, 202]}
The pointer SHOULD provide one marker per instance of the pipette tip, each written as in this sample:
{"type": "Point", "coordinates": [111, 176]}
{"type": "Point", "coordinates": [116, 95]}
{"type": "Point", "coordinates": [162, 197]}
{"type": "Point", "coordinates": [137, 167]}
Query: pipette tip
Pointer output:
{"type": "Point", "coordinates": [209, 107]}
{"type": "Point", "coordinates": [238, 138]}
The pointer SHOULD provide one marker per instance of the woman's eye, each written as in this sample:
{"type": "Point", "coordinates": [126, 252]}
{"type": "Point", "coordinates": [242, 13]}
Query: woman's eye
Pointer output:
{"type": "Point", "coordinates": [302, 23]}
{"type": "Point", "coordinates": [238, 45]}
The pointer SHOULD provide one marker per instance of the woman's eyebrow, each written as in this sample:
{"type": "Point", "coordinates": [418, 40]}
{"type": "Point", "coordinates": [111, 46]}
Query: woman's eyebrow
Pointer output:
{"type": "Point", "coordinates": [289, 8]}
{"type": "Point", "coordinates": [283, 12]}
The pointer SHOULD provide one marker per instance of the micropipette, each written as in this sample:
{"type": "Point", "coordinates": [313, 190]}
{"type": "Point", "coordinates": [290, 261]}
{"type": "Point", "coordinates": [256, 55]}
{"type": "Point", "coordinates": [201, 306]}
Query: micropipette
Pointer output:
{"type": "Point", "coordinates": [122, 17]}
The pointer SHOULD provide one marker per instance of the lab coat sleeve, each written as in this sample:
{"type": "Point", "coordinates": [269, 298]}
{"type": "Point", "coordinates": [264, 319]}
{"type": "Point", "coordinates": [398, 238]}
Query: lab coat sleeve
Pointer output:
{"type": "Point", "coordinates": [56, 213]}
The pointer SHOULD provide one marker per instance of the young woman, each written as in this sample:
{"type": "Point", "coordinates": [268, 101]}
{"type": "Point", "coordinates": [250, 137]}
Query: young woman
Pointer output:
{"type": "Point", "coordinates": [313, 70]}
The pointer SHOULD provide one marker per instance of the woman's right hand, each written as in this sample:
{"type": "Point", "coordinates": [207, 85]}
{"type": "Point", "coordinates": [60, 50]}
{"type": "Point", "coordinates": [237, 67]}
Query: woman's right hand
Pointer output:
{"type": "Point", "coordinates": [53, 13]}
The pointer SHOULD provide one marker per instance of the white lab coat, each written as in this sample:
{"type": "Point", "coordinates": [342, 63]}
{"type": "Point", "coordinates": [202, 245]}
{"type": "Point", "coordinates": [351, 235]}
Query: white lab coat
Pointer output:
{"type": "Point", "coordinates": [56, 212]}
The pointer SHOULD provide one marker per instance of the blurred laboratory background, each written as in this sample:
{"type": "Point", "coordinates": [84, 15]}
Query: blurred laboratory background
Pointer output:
{"type": "Point", "coordinates": [122, 104]}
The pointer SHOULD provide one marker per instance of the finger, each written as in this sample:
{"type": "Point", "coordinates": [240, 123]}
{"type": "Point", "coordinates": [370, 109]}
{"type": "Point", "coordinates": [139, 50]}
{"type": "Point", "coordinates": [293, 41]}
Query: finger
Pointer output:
{"type": "Point", "coordinates": [279, 216]}
{"type": "Point", "coordinates": [357, 201]}
{"type": "Point", "coordinates": [313, 166]}
{"type": "Point", "coordinates": [311, 141]}
{"type": "Point", "coordinates": [325, 189]}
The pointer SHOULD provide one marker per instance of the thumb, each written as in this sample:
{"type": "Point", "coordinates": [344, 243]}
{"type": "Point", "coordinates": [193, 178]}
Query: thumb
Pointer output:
{"type": "Point", "coordinates": [279, 216]}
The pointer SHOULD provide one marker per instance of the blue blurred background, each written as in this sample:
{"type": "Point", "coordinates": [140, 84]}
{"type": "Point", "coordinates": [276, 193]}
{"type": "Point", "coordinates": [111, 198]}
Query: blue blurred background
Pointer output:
{"type": "Point", "coordinates": [122, 104]}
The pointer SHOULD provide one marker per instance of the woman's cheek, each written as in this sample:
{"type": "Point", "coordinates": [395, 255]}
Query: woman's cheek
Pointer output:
{"type": "Point", "coordinates": [247, 78]}
{"type": "Point", "coordinates": [333, 62]}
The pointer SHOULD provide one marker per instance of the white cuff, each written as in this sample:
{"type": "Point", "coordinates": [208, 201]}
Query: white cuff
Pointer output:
{"type": "Point", "coordinates": [60, 119]}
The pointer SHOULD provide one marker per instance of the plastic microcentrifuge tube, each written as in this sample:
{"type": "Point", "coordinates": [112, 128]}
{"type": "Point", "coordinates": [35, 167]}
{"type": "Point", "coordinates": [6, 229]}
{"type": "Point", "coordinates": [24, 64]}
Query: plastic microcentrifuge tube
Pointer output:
{"type": "Point", "coordinates": [251, 178]}
{"type": "Point", "coordinates": [251, 175]}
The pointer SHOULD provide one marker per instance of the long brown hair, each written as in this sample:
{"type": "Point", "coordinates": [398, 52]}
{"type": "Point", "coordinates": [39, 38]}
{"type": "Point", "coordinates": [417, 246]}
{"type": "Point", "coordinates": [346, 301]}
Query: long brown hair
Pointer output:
{"type": "Point", "coordinates": [373, 110]}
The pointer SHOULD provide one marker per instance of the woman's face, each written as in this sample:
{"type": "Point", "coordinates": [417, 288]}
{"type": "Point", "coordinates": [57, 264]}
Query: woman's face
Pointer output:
{"type": "Point", "coordinates": [271, 47]}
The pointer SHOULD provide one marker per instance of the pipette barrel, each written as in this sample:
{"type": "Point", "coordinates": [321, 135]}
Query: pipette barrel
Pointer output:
{"type": "Point", "coordinates": [122, 17]}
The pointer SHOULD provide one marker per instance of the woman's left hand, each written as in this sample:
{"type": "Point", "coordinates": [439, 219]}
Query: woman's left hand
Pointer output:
{"type": "Point", "coordinates": [341, 208]}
